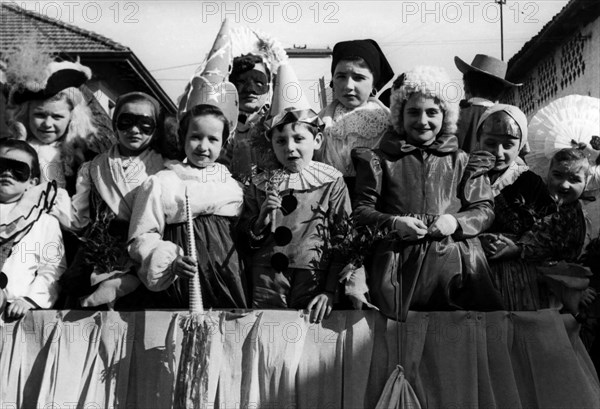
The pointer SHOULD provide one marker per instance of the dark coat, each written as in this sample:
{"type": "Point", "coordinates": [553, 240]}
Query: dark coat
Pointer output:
{"type": "Point", "coordinates": [429, 274]}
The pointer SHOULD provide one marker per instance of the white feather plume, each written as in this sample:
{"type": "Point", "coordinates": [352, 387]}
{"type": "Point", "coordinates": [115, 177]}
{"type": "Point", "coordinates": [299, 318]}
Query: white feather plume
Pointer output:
{"type": "Point", "coordinates": [245, 40]}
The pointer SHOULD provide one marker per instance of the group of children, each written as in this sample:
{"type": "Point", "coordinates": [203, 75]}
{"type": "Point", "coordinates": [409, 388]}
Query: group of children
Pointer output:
{"type": "Point", "coordinates": [463, 231]}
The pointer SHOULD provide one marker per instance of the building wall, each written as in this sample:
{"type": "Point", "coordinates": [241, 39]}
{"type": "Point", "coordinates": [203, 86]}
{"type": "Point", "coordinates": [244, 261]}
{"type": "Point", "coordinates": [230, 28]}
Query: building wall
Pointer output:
{"type": "Point", "coordinates": [572, 68]}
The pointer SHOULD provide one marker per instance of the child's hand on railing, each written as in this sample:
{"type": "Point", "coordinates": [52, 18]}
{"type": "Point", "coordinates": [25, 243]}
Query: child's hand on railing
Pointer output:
{"type": "Point", "coordinates": [320, 307]}
{"type": "Point", "coordinates": [18, 308]}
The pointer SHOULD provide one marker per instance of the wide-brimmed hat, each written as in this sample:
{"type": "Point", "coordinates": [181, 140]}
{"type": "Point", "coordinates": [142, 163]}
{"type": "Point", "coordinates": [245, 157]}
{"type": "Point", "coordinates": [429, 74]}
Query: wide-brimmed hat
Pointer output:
{"type": "Point", "coordinates": [59, 76]}
{"type": "Point", "coordinates": [485, 64]}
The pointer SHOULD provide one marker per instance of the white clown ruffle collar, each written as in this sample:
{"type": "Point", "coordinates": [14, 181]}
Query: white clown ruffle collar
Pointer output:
{"type": "Point", "coordinates": [314, 175]}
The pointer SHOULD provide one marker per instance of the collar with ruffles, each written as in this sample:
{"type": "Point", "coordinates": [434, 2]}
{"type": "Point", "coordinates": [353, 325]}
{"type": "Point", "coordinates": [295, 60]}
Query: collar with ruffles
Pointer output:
{"type": "Point", "coordinates": [394, 145]}
{"type": "Point", "coordinates": [508, 177]}
{"type": "Point", "coordinates": [336, 110]}
{"type": "Point", "coordinates": [19, 217]}
{"type": "Point", "coordinates": [314, 175]}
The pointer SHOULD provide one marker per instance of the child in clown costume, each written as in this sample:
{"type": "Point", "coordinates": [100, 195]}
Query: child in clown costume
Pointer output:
{"type": "Point", "coordinates": [286, 208]}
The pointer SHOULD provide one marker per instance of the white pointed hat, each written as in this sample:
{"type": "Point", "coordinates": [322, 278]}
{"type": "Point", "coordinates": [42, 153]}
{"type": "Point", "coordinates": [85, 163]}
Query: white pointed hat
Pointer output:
{"type": "Point", "coordinates": [211, 86]}
{"type": "Point", "coordinates": [289, 101]}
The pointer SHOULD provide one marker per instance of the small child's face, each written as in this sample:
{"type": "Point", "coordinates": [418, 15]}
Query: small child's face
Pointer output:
{"type": "Point", "coordinates": [135, 125]}
{"type": "Point", "coordinates": [504, 147]}
{"type": "Point", "coordinates": [423, 119]}
{"type": "Point", "coordinates": [15, 174]}
{"type": "Point", "coordinates": [352, 84]}
{"type": "Point", "coordinates": [49, 120]}
{"type": "Point", "coordinates": [295, 146]}
{"type": "Point", "coordinates": [203, 140]}
{"type": "Point", "coordinates": [566, 181]}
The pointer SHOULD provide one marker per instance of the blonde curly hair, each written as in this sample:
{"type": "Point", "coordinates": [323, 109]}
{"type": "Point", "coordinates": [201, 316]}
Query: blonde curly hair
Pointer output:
{"type": "Point", "coordinates": [73, 145]}
{"type": "Point", "coordinates": [430, 82]}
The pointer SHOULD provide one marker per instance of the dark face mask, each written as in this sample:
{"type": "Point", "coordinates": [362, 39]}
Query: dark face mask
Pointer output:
{"type": "Point", "coordinates": [144, 123]}
{"type": "Point", "coordinates": [253, 82]}
{"type": "Point", "coordinates": [19, 170]}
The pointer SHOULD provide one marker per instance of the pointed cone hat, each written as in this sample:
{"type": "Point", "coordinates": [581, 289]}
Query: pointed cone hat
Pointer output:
{"type": "Point", "coordinates": [211, 86]}
{"type": "Point", "coordinates": [289, 102]}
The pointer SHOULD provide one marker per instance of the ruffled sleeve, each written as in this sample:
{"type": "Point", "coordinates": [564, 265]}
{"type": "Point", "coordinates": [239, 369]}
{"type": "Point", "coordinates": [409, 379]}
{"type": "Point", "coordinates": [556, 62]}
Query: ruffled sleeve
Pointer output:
{"type": "Point", "coordinates": [145, 238]}
{"type": "Point", "coordinates": [73, 213]}
{"type": "Point", "coordinates": [477, 198]}
{"type": "Point", "coordinates": [369, 179]}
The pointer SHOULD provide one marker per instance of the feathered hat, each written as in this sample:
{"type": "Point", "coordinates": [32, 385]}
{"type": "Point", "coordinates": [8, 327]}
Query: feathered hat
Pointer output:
{"type": "Point", "coordinates": [289, 102]}
{"type": "Point", "coordinates": [248, 41]}
{"type": "Point", "coordinates": [211, 86]}
{"type": "Point", "coordinates": [33, 74]}
{"type": "Point", "coordinates": [567, 122]}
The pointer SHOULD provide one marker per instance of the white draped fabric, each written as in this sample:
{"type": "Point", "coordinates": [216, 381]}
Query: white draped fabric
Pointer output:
{"type": "Point", "coordinates": [275, 358]}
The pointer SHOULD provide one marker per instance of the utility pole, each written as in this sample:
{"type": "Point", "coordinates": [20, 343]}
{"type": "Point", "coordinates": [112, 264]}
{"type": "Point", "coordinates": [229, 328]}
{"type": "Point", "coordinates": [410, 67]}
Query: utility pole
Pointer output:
{"type": "Point", "coordinates": [501, 3]}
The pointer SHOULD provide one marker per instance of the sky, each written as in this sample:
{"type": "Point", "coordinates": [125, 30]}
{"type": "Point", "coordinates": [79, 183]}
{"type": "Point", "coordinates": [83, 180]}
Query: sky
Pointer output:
{"type": "Point", "coordinates": [171, 38]}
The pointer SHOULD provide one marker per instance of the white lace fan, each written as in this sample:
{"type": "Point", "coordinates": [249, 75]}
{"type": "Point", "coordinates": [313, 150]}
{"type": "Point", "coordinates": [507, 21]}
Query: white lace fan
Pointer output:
{"type": "Point", "coordinates": [554, 127]}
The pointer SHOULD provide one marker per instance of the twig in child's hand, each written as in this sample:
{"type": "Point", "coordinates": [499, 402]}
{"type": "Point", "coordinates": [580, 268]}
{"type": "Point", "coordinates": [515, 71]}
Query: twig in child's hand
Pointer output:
{"type": "Point", "coordinates": [273, 186]}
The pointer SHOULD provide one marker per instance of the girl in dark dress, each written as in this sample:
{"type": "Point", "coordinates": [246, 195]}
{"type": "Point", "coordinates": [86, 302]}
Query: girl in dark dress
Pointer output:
{"type": "Point", "coordinates": [534, 224]}
{"type": "Point", "coordinates": [158, 232]}
{"type": "Point", "coordinates": [158, 235]}
{"type": "Point", "coordinates": [519, 195]}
